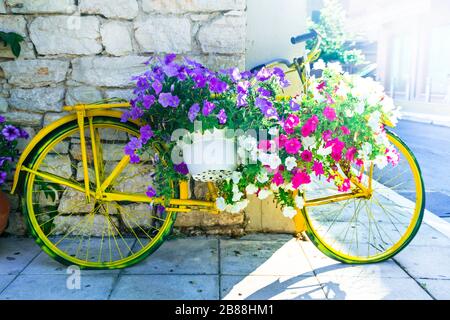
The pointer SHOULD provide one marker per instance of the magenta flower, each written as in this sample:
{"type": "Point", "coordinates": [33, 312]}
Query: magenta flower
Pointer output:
{"type": "Point", "coordinates": [280, 141]}
{"type": "Point", "coordinates": [278, 179]}
{"type": "Point", "coordinates": [208, 107]}
{"type": "Point", "coordinates": [264, 145]}
{"type": "Point", "coordinates": [336, 148]}
{"type": "Point", "coordinates": [350, 154]}
{"type": "Point", "coordinates": [193, 112]}
{"type": "Point", "coordinates": [321, 86]}
{"type": "Point", "coordinates": [300, 178]}
{"type": "Point", "coordinates": [290, 123]}
{"type": "Point", "coordinates": [222, 116]}
{"type": "Point", "coordinates": [168, 100]}
{"type": "Point", "coordinates": [329, 113]}
{"type": "Point", "coordinates": [217, 86]}
{"type": "Point", "coordinates": [181, 168]}
{"type": "Point", "coordinates": [306, 156]}
{"type": "Point", "coordinates": [151, 192]}
{"type": "Point", "coordinates": [345, 130]}
{"type": "Point", "coordinates": [327, 135]}
{"type": "Point", "coordinates": [146, 133]}
{"type": "Point", "coordinates": [292, 146]}
{"type": "Point", "coordinates": [318, 168]}
{"type": "Point", "coordinates": [345, 186]}
{"type": "Point", "coordinates": [310, 126]}
{"type": "Point", "coordinates": [10, 133]}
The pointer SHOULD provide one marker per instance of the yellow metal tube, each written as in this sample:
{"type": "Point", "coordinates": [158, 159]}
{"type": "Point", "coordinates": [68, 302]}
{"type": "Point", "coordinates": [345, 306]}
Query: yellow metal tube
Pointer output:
{"type": "Point", "coordinates": [80, 117]}
{"type": "Point", "coordinates": [115, 173]}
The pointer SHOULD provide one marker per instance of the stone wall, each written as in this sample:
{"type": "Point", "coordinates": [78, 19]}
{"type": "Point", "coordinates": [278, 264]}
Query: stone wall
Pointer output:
{"type": "Point", "coordinates": [80, 51]}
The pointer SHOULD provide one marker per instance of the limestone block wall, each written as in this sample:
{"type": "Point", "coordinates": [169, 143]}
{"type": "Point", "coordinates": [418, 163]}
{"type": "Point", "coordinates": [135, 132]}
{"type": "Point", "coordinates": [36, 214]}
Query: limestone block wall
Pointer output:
{"type": "Point", "coordinates": [80, 51]}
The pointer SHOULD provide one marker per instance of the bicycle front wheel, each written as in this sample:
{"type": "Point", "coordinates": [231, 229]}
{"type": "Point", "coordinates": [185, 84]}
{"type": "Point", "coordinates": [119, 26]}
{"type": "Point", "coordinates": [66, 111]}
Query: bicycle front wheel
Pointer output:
{"type": "Point", "coordinates": [368, 230]}
{"type": "Point", "coordinates": [94, 234]}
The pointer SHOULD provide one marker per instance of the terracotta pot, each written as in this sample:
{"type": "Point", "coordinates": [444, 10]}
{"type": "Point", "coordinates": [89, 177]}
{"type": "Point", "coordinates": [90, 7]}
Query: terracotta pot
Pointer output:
{"type": "Point", "coordinates": [4, 211]}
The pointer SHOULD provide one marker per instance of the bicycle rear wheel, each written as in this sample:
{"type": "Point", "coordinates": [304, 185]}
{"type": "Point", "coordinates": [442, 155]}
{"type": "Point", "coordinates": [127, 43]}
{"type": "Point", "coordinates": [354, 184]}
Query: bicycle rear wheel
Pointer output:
{"type": "Point", "coordinates": [96, 234]}
{"type": "Point", "coordinates": [370, 230]}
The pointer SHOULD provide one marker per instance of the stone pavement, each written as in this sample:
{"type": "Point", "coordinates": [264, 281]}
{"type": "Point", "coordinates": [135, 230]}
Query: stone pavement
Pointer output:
{"type": "Point", "coordinates": [257, 266]}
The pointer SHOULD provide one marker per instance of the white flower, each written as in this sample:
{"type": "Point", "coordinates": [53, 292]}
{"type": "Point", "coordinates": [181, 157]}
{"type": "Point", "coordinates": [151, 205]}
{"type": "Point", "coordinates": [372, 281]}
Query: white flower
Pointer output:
{"type": "Point", "coordinates": [247, 142]}
{"type": "Point", "coordinates": [349, 113]}
{"type": "Point", "coordinates": [288, 187]}
{"type": "Point", "coordinates": [236, 176]}
{"type": "Point", "coordinates": [308, 141]}
{"type": "Point", "coordinates": [238, 206]}
{"type": "Point", "coordinates": [360, 107]}
{"type": "Point", "coordinates": [365, 151]}
{"type": "Point", "coordinates": [274, 187]}
{"type": "Point", "coordinates": [220, 204]}
{"type": "Point", "coordinates": [342, 90]}
{"type": "Point", "coordinates": [237, 194]}
{"type": "Point", "coordinates": [319, 65]}
{"type": "Point", "coordinates": [262, 176]}
{"type": "Point", "coordinates": [335, 66]}
{"type": "Point", "coordinates": [290, 163]}
{"type": "Point", "coordinates": [299, 202]}
{"type": "Point", "coordinates": [373, 100]}
{"type": "Point", "coordinates": [264, 193]}
{"type": "Point", "coordinates": [270, 159]}
{"type": "Point", "coordinates": [273, 131]}
{"type": "Point", "coordinates": [289, 212]}
{"type": "Point", "coordinates": [251, 189]}
{"type": "Point", "coordinates": [380, 161]}
{"type": "Point", "coordinates": [324, 151]}
{"type": "Point", "coordinates": [374, 121]}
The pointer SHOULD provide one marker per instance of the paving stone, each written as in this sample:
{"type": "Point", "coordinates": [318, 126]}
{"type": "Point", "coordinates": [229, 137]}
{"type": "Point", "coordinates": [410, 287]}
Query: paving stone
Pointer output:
{"type": "Point", "coordinates": [16, 253]}
{"type": "Point", "coordinates": [5, 280]}
{"type": "Point", "coordinates": [270, 288]}
{"type": "Point", "coordinates": [368, 288]}
{"type": "Point", "coordinates": [181, 256]}
{"type": "Point", "coordinates": [427, 236]}
{"type": "Point", "coordinates": [263, 258]}
{"type": "Point", "coordinates": [425, 261]}
{"type": "Point", "coordinates": [439, 289]}
{"type": "Point", "coordinates": [55, 287]}
{"type": "Point", "coordinates": [325, 266]}
{"type": "Point", "coordinates": [167, 287]}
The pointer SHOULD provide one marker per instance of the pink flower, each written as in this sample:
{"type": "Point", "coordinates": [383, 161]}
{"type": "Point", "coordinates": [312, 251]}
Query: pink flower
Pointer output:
{"type": "Point", "coordinates": [317, 168]}
{"type": "Point", "coordinates": [329, 113]}
{"type": "Point", "coordinates": [350, 154]}
{"type": "Point", "coordinates": [292, 146]}
{"type": "Point", "coordinates": [300, 178]}
{"type": "Point", "coordinates": [345, 186]}
{"type": "Point", "coordinates": [310, 126]}
{"type": "Point", "coordinates": [345, 130]}
{"type": "Point", "coordinates": [278, 179]}
{"type": "Point", "coordinates": [280, 141]}
{"type": "Point", "coordinates": [330, 99]}
{"type": "Point", "coordinates": [326, 135]}
{"type": "Point", "coordinates": [290, 123]}
{"type": "Point", "coordinates": [336, 148]}
{"type": "Point", "coordinates": [321, 86]}
{"type": "Point", "coordinates": [264, 145]}
{"type": "Point", "coordinates": [306, 156]}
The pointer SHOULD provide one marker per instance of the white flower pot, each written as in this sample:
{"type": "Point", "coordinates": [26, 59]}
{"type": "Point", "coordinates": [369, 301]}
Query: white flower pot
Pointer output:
{"type": "Point", "coordinates": [211, 156]}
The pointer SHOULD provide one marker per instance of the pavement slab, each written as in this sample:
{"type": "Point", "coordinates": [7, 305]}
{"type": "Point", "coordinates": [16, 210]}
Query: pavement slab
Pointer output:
{"type": "Point", "coordinates": [16, 254]}
{"type": "Point", "coordinates": [171, 287]}
{"type": "Point", "coordinates": [57, 287]}
{"type": "Point", "coordinates": [439, 289]}
{"type": "Point", "coordinates": [270, 288]}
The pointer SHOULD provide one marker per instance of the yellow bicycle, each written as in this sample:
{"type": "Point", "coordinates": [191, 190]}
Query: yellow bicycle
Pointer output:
{"type": "Point", "coordinates": [84, 203]}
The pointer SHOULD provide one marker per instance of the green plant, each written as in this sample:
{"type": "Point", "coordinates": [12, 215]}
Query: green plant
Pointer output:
{"type": "Point", "coordinates": [335, 43]}
{"type": "Point", "coordinates": [13, 40]}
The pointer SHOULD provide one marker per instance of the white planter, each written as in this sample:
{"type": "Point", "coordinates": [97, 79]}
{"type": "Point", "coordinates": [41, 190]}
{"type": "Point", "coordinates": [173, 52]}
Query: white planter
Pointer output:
{"type": "Point", "coordinates": [210, 157]}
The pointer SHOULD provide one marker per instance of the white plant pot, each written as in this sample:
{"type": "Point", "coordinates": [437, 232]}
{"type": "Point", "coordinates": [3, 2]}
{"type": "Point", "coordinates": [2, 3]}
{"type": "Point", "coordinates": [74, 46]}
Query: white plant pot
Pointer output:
{"type": "Point", "coordinates": [210, 157]}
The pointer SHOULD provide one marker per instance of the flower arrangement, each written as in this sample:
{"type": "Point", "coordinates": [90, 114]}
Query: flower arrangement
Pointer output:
{"type": "Point", "coordinates": [9, 136]}
{"type": "Point", "coordinates": [337, 121]}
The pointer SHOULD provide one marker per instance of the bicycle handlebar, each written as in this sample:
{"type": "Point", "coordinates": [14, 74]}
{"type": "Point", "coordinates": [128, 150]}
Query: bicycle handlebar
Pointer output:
{"type": "Point", "coordinates": [304, 37]}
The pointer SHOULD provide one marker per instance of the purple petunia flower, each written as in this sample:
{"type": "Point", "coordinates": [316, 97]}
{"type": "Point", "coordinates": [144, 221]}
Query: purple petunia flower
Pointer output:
{"type": "Point", "coordinates": [222, 116]}
{"type": "Point", "coordinates": [266, 107]}
{"type": "Point", "coordinates": [241, 100]}
{"type": "Point", "coordinates": [10, 133]}
{"type": "Point", "coordinates": [142, 83]}
{"type": "Point", "coordinates": [2, 177]}
{"type": "Point", "coordinates": [2, 119]}
{"type": "Point", "coordinates": [4, 159]}
{"type": "Point", "coordinates": [125, 116]}
{"type": "Point", "coordinates": [136, 113]}
{"type": "Point", "coordinates": [23, 134]}
{"type": "Point", "coordinates": [169, 58]}
{"type": "Point", "coordinates": [193, 112]}
{"type": "Point", "coordinates": [208, 107]}
{"type": "Point", "coordinates": [146, 133]}
{"type": "Point", "coordinates": [151, 192]}
{"type": "Point", "coordinates": [157, 86]}
{"type": "Point", "coordinates": [246, 75]}
{"type": "Point", "coordinates": [171, 70]}
{"type": "Point", "coordinates": [294, 105]}
{"type": "Point", "coordinates": [134, 158]}
{"type": "Point", "coordinates": [264, 92]}
{"type": "Point", "coordinates": [263, 74]}
{"type": "Point", "coordinates": [243, 86]}
{"type": "Point", "coordinates": [181, 168]}
{"type": "Point", "coordinates": [148, 101]}
{"type": "Point", "coordinates": [217, 86]}
{"type": "Point", "coordinates": [168, 100]}
{"type": "Point", "coordinates": [199, 78]}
